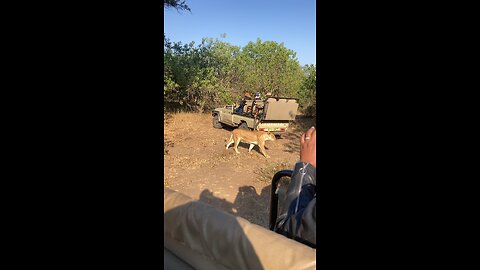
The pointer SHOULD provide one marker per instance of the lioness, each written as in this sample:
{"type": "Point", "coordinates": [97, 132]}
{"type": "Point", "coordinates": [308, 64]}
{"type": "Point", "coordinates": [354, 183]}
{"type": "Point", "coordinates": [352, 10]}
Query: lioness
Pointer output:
{"type": "Point", "coordinates": [251, 137]}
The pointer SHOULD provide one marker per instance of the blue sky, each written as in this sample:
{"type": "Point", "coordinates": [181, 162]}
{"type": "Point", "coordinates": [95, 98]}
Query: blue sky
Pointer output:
{"type": "Point", "coordinates": [290, 22]}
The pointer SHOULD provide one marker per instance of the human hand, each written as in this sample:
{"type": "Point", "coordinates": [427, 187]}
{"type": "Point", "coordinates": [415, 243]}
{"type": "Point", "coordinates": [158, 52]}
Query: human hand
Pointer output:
{"type": "Point", "coordinates": [308, 147]}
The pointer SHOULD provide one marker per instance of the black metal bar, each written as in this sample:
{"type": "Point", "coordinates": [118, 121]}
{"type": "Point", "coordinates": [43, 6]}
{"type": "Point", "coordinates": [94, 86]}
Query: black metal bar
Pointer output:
{"type": "Point", "coordinates": [274, 196]}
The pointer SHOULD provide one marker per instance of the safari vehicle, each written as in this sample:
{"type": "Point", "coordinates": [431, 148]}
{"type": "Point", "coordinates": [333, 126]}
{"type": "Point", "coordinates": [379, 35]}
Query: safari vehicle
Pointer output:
{"type": "Point", "coordinates": [273, 114]}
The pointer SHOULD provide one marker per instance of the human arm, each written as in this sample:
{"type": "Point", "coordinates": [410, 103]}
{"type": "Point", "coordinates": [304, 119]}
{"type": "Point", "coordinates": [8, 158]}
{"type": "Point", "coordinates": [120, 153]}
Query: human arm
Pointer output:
{"type": "Point", "coordinates": [297, 219]}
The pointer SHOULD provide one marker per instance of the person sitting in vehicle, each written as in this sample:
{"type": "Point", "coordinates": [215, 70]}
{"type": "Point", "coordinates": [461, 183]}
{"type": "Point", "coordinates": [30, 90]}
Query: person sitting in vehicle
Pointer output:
{"type": "Point", "coordinates": [256, 101]}
{"type": "Point", "coordinates": [297, 219]}
{"type": "Point", "coordinates": [239, 109]}
{"type": "Point", "coordinates": [243, 102]}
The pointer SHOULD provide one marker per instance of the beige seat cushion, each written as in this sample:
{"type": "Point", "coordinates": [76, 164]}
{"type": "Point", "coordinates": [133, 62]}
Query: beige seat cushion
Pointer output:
{"type": "Point", "coordinates": [207, 238]}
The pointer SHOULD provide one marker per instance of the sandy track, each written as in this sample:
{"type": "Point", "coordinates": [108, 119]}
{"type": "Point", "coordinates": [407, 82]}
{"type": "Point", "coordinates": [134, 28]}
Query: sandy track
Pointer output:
{"type": "Point", "coordinates": [198, 165]}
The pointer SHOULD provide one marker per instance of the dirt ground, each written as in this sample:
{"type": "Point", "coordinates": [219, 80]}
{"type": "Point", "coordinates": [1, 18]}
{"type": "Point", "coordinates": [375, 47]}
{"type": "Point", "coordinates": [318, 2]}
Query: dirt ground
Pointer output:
{"type": "Point", "coordinates": [198, 165]}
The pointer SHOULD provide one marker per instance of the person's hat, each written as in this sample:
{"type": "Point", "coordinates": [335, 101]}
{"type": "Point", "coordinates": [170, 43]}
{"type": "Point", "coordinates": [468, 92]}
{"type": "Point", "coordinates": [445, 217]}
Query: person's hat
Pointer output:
{"type": "Point", "coordinates": [248, 95]}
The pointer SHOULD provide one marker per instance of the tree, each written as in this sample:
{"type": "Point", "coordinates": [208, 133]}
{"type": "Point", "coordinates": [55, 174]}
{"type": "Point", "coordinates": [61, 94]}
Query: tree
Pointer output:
{"type": "Point", "coordinates": [270, 67]}
{"type": "Point", "coordinates": [214, 73]}
{"type": "Point", "coordinates": [190, 79]}
{"type": "Point", "coordinates": [177, 4]}
{"type": "Point", "coordinates": [308, 91]}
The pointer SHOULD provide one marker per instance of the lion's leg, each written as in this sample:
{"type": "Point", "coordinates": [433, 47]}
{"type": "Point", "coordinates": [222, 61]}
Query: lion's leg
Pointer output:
{"type": "Point", "coordinates": [230, 141]}
{"type": "Point", "coordinates": [262, 149]}
{"type": "Point", "coordinates": [251, 147]}
{"type": "Point", "coordinates": [237, 141]}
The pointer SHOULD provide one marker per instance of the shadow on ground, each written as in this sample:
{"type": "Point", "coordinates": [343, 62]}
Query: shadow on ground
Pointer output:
{"type": "Point", "coordinates": [294, 145]}
{"type": "Point", "coordinates": [228, 128]}
{"type": "Point", "coordinates": [247, 204]}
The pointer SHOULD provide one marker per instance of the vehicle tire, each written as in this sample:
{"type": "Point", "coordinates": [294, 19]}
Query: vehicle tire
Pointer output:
{"type": "Point", "coordinates": [216, 122]}
{"type": "Point", "coordinates": [243, 125]}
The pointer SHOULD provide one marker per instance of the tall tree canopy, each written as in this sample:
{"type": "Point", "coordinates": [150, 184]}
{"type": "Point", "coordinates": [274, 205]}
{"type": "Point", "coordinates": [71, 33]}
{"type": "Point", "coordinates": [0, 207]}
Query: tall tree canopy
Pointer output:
{"type": "Point", "coordinates": [270, 67]}
{"type": "Point", "coordinates": [215, 73]}
{"type": "Point", "coordinates": [308, 90]}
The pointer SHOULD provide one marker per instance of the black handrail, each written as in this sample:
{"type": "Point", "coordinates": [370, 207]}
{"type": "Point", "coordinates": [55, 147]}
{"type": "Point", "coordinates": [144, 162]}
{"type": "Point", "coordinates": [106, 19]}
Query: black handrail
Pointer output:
{"type": "Point", "coordinates": [274, 196]}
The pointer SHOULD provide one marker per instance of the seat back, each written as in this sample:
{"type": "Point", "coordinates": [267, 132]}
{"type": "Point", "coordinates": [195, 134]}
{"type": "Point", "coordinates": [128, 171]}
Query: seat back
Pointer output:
{"type": "Point", "coordinates": [204, 237]}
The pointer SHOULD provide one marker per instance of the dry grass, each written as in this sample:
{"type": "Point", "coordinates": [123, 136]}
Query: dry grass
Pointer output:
{"type": "Point", "coordinates": [188, 162]}
{"type": "Point", "coordinates": [198, 162]}
{"type": "Point", "coordinates": [189, 116]}
{"type": "Point", "coordinates": [177, 130]}
{"type": "Point", "coordinates": [266, 173]}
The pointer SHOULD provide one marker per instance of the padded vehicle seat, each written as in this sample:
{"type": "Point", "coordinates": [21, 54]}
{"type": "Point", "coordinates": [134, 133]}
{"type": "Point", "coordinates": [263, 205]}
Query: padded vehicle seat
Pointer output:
{"type": "Point", "coordinates": [199, 236]}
